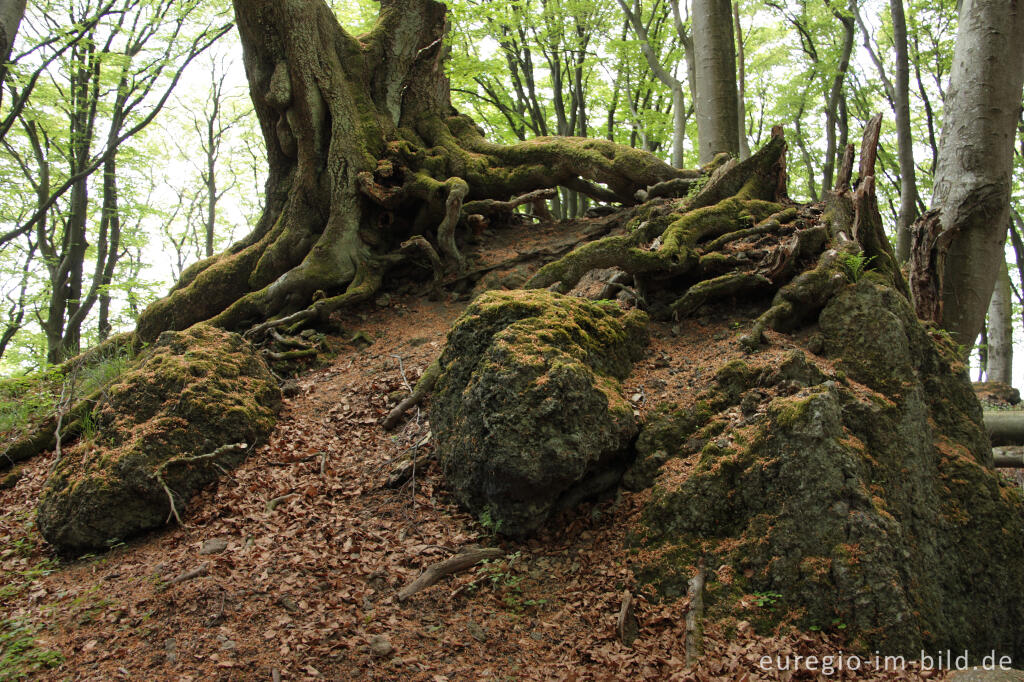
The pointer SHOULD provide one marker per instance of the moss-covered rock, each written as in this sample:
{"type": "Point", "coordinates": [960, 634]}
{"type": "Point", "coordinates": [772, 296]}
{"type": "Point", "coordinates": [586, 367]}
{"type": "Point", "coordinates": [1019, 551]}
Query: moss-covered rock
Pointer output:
{"type": "Point", "coordinates": [193, 393]}
{"type": "Point", "coordinates": [862, 495]}
{"type": "Point", "coordinates": [528, 411]}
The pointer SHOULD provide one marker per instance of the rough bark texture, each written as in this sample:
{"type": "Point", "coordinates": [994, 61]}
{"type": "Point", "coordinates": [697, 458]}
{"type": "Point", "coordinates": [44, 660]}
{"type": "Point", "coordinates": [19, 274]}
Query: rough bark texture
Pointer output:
{"type": "Point", "coordinates": [716, 79]}
{"type": "Point", "coordinates": [972, 179]}
{"type": "Point", "coordinates": [365, 151]}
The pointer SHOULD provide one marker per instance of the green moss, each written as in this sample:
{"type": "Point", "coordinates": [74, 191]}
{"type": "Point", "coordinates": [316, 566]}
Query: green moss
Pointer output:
{"type": "Point", "coordinates": [186, 396]}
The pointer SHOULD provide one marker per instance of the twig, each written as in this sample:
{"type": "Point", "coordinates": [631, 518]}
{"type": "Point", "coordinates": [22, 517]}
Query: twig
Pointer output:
{"type": "Point", "coordinates": [272, 504]}
{"type": "Point", "coordinates": [423, 387]}
{"type": "Point", "coordinates": [459, 562]}
{"type": "Point", "coordinates": [695, 616]}
{"type": "Point", "coordinates": [197, 572]}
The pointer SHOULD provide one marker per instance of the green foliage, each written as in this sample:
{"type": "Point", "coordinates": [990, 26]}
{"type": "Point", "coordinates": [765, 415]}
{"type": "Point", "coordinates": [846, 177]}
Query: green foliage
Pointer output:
{"type": "Point", "coordinates": [854, 265]}
{"type": "Point", "coordinates": [20, 655]}
{"type": "Point", "coordinates": [28, 398]}
{"type": "Point", "coordinates": [492, 526]}
{"type": "Point", "coordinates": [766, 599]}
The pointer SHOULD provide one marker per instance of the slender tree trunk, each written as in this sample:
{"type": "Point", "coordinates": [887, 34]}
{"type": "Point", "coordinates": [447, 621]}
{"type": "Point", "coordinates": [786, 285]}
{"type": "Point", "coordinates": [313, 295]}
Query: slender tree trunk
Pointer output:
{"type": "Point", "coordinates": [972, 180]}
{"type": "Point", "coordinates": [665, 76]}
{"type": "Point", "coordinates": [904, 137]}
{"type": "Point", "coordinates": [741, 81]}
{"type": "Point", "coordinates": [835, 97]}
{"type": "Point", "coordinates": [999, 366]}
{"type": "Point", "coordinates": [715, 57]}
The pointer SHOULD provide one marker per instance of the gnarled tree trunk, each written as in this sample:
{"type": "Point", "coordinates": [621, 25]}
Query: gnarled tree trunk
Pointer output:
{"type": "Point", "coordinates": [365, 152]}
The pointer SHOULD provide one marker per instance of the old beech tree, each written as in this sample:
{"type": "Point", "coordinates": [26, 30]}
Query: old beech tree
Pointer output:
{"type": "Point", "coordinates": [366, 153]}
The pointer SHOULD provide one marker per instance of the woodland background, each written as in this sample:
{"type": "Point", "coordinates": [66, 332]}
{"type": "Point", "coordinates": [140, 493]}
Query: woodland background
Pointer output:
{"type": "Point", "coordinates": [130, 149]}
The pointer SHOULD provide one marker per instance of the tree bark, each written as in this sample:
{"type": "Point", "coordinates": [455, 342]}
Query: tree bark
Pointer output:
{"type": "Point", "coordinates": [904, 136]}
{"type": "Point", "coordinates": [365, 151]}
{"type": "Point", "coordinates": [741, 82]}
{"type": "Point", "coordinates": [972, 179]}
{"type": "Point", "coordinates": [11, 14]}
{"type": "Point", "coordinates": [999, 358]}
{"type": "Point", "coordinates": [715, 56]}
{"type": "Point", "coordinates": [835, 97]}
{"type": "Point", "coordinates": [663, 75]}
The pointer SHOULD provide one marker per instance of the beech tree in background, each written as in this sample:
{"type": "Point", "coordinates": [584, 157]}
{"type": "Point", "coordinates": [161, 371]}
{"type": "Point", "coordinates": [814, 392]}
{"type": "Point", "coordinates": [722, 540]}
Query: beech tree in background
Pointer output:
{"type": "Point", "coordinates": [715, 62]}
{"type": "Point", "coordinates": [999, 353]}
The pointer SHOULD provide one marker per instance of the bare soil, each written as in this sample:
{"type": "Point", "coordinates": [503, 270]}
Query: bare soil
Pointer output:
{"type": "Point", "coordinates": [316, 548]}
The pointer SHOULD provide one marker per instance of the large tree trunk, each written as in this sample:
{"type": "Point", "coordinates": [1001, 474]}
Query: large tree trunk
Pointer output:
{"type": "Point", "coordinates": [972, 180]}
{"type": "Point", "coordinates": [715, 55]}
{"type": "Point", "coordinates": [365, 151]}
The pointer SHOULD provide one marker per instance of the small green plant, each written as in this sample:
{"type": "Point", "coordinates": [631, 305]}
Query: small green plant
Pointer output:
{"type": "Point", "coordinates": [854, 265]}
{"type": "Point", "coordinates": [766, 599]}
{"type": "Point", "coordinates": [20, 655]}
{"type": "Point", "coordinates": [490, 524]}
{"type": "Point", "coordinates": [696, 186]}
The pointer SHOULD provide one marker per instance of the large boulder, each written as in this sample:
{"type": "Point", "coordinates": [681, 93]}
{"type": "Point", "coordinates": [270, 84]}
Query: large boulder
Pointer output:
{"type": "Point", "coordinates": [855, 489]}
{"type": "Point", "coordinates": [194, 393]}
{"type": "Point", "coordinates": [528, 411]}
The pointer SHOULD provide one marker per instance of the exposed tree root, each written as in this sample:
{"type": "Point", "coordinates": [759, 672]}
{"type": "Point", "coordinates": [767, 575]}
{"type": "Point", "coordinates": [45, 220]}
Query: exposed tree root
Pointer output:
{"type": "Point", "coordinates": [490, 207]}
{"type": "Point", "coordinates": [423, 388]}
{"type": "Point", "coordinates": [210, 457]}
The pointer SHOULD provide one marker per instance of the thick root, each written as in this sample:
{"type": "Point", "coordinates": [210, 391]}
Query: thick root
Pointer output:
{"type": "Point", "coordinates": [734, 284]}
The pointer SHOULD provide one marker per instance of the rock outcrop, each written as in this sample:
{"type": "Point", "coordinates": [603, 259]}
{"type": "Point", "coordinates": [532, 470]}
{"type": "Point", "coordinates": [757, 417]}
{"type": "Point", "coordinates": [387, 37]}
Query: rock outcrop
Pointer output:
{"type": "Point", "coordinates": [186, 411]}
{"type": "Point", "coordinates": [855, 487]}
{"type": "Point", "coordinates": [528, 412]}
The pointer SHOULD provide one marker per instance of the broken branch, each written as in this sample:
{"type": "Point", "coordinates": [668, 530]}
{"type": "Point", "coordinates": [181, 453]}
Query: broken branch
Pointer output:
{"type": "Point", "coordinates": [459, 562]}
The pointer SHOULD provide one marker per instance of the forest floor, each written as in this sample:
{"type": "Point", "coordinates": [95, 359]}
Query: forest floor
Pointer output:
{"type": "Point", "coordinates": [313, 546]}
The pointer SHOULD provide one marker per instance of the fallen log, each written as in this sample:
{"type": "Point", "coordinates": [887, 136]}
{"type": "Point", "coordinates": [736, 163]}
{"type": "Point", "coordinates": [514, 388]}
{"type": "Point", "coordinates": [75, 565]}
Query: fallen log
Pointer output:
{"type": "Point", "coordinates": [1005, 427]}
{"type": "Point", "coordinates": [1008, 457]}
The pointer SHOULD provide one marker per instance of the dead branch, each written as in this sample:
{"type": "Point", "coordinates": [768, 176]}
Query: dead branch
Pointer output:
{"type": "Point", "coordinates": [197, 572]}
{"type": "Point", "coordinates": [272, 504]}
{"type": "Point", "coordinates": [423, 387]}
{"type": "Point", "coordinates": [695, 616]}
{"type": "Point", "coordinates": [626, 624]}
{"type": "Point", "coordinates": [290, 354]}
{"type": "Point", "coordinates": [158, 475]}
{"type": "Point", "coordinates": [406, 470]}
{"type": "Point", "coordinates": [459, 562]}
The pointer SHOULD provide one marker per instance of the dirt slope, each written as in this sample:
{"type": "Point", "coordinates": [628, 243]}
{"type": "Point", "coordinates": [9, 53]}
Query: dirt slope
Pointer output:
{"type": "Point", "coordinates": [316, 548]}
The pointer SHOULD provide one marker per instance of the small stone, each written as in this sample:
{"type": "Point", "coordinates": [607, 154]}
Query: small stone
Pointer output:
{"type": "Point", "coordinates": [288, 603]}
{"type": "Point", "coordinates": [226, 644]}
{"type": "Point", "coordinates": [476, 632]}
{"type": "Point", "coordinates": [213, 546]}
{"type": "Point", "coordinates": [171, 649]}
{"type": "Point", "coordinates": [380, 646]}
